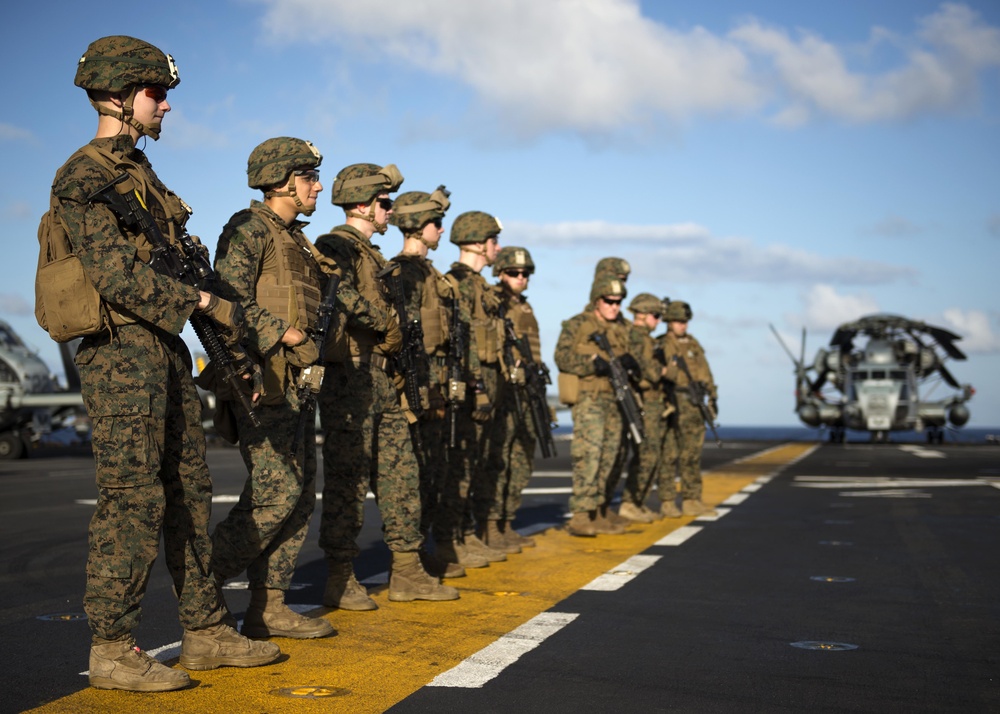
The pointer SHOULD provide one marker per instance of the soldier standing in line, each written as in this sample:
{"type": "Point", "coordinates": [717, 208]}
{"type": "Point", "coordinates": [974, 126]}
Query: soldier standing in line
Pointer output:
{"type": "Point", "coordinates": [512, 441]}
{"type": "Point", "coordinates": [429, 295]}
{"type": "Point", "coordinates": [368, 442]}
{"type": "Point", "coordinates": [642, 468]}
{"type": "Point", "coordinates": [686, 427]}
{"type": "Point", "coordinates": [265, 262]}
{"type": "Point", "coordinates": [149, 446]}
{"type": "Point", "coordinates": [477, 236]}
{"type": "Point", "coordinates": [584, 384]}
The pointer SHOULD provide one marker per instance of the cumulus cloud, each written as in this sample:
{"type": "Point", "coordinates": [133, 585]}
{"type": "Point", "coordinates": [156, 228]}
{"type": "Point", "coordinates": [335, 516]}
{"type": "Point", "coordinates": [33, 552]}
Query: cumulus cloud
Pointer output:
{"type": "Point", "coordinates": [601, 68]}
{"type": "Point", "coordinates": [687, 253]}
{"type": "Point", "coordinates": [976, 329]}
{"type": "Point", "coordinates": [825, 309]}
{"type": "Point", "coordinates": [13, 304]}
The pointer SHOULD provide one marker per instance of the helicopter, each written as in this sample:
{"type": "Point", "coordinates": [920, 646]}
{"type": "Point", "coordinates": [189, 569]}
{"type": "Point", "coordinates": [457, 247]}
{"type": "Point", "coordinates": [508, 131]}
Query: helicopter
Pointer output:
{"type": "Point", "coordinates": [885, 385]}
{"type": "Point", "coordinates": [31, 400]}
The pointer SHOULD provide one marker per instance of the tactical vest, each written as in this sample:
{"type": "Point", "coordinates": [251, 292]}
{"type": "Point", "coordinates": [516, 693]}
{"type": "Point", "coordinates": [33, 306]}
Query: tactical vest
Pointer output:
{"type": "Point", "coordinates": [356, 341]}
{"type": "Point", "coordinates": [486, 323]}
{"type": "Point", "coordinates": [435, 317]}
{"type": "Point", "coordinates": [525, 325]}
{"type": "Point", "coordinates": [694, 355]}
{"type": "Point", "coordinates": [582, 344]}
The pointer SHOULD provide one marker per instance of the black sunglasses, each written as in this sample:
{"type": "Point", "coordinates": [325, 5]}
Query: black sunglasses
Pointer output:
{"type": "Point", "coordinates": [385, 204]}
{"type": "Point", "coordinates": [612, 301]}
{"type": "Point", "coordinates": [515, 273]}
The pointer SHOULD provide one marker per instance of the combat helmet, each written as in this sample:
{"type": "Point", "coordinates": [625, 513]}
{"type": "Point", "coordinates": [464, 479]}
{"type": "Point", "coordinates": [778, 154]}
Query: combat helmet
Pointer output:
{"type": "Point", "coordinates": [120, 63]}
{"type": "Point", "coordinates": [360, 183]}
{"type": "Point", "coordinates": [512, 257]}
{"type": "Point", "coordinates": [607, 285]}
{"type": "Point", "coordinates": [617, 267]}
{"type": "Point", "coordinates": [678, 311]}
{"type": "Point", "coordinates": [273, 162]}
{"type": "Point", "coordinates": [646, 303]}
{"type": "Point", "coordinates": [413, 210]}
{"type": "Point", "coordinates": [474, 227]}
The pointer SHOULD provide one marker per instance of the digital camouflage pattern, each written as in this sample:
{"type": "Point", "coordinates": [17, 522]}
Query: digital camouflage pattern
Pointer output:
{"type": "Point", "coordinates": [413, 210]}
{"type": "Point", "coordinates": [646, 303]}
{"type": "Point", "coordinates": [645, 460]}
{"type": "Point", "coordinates": [149, 447]}
{"type": "Point", "coordinates": [512, 257]}
{"type": "Point", "coordinates": [614, 267]}
{"type": "Point", "coordinates": [263, 533]}
{"type": "Point", "coordinates": [678, 310]}
{"type": "Point", "coordinates": [271, 161]}
{"type": "Point", "coordinates": [360, 183]}
{"type": "Point", "coordinates": [607, 286]}
{"type": "Point", "coordinates": [474, 227]}
{"type": "Point", "coordinates": [114, 63]}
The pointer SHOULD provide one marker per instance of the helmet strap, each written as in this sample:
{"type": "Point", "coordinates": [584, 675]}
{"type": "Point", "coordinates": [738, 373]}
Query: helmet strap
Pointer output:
{"type": "Point", "coordinates": [127, 114]}
{"type": "Point", "coordinates": [380, 228]}
{"type": "Point", "coordinates": [291, 191]}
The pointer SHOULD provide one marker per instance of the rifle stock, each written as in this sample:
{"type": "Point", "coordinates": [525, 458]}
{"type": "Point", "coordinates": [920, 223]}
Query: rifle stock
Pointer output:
{"type": "Point", "coordinates": [698, 396]}
{"type": "Point", "coordinates": [627, 401]}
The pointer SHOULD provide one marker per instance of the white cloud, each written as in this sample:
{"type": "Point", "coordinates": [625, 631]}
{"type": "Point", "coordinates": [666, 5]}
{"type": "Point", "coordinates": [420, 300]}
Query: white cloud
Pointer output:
{"type": "Point", "coordinates": [688, 253]}
{"type": "Point", "coordinates": [19, 211]}
{"type": "Point", "coordinates": [12, 304]}
{"type": "Point", "coordinates": [826, 309]}
{"type": "Point", "coordinates": [976, 329]}
{"type": "Point", "coordinates": [601, 68]}
{"type": "Point", "coordinates": [9, 132]}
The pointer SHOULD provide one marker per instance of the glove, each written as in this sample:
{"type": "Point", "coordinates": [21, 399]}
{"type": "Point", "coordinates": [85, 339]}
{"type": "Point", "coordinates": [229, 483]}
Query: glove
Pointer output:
{"type": "Point", "coordinates": [601, 366]}
{"type": "Point", "coordinates": [228, 315]}
{"type": "Point", "coordinates": [659, 355]}
{"type": "Point", "coordinates": [713, 404]}
{"type": "Point", "coordinates": [483, 409]}
{"type": "Point", "coordinates": [393, 340]}
{"type": "Point", "coordinates": [302, 355]}
{"type": "Point", "coordinates": [631, 365]}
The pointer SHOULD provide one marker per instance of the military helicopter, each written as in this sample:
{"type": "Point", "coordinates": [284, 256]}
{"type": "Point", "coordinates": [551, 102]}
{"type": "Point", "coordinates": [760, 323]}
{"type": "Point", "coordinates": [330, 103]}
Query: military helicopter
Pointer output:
{"type": "Point", "coordinates": [31, 401]}
{"type": "Point", "coordinates": [886, 384]}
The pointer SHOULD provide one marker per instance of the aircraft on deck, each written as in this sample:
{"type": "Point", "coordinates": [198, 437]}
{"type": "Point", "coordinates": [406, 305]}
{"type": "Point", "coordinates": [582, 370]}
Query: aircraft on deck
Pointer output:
{"type": "Point", "coordinates": [887, 384]}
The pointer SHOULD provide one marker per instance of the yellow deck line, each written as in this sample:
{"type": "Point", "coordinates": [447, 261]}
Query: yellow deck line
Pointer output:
{"type": "Point", "coordinates": [379, 658]}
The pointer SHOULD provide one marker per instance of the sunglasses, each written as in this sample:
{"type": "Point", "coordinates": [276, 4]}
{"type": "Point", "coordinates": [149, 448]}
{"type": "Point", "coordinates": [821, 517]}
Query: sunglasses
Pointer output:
{"type": "Point", "coordinates": [438, 222]}
{"type": "Point", "coordinates": [514, 273]}
{"type": "Point", "coordinates": [155, 92]}
{"type": "Point", "coordinates": [310, 176]}
{"type": "Point", "coordinates": [385, 204]}
{"type": "Point", "coordinates": [611, 301]}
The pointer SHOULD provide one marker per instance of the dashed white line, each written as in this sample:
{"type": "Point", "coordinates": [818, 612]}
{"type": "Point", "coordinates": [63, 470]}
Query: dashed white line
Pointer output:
{"type": "Point", "coordinates": [679, 536]}
{"type": "Point", "coordinates": [615, 578]}
{"type": "Point", "coordinates": [736, 499]}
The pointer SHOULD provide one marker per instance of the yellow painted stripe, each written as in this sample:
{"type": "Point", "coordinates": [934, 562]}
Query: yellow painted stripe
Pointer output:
{"type": "Point", "coordinates": [379, 658]}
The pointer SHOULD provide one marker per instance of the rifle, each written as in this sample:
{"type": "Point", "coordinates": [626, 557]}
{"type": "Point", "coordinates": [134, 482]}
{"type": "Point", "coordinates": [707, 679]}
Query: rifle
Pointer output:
{"type": "Point", "coordinates": [698, 395]}
{"type": "Point", "coordinates": [457, 342]}
{"type": "Point", "coordinates": [627, 401]}
{"type": "Point", "coordinates": [311, 378]}
{"type": "Point", "coordinates": [536, 376]}
{"type": "Point", "coordinates": [187, 265]}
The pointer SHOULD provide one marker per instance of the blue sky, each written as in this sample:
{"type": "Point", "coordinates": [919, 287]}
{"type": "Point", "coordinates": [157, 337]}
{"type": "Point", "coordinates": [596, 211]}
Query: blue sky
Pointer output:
{"type": "Point", "coordinates": [801, 164]}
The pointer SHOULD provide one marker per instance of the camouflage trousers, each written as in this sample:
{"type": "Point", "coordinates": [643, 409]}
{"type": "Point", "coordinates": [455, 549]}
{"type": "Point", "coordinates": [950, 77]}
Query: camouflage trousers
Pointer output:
{"type": "Point", "coordinates": [645, 462]}
{"type": "Point", "coordinates": [265, 530]}
{"type": "Point", "coordinates": [433, 460]}
{"type": "Point", "coordinates": [149, 453]}
{"type": "Point", "coordinates": [509, 461]}
{"type": "Point", "coordinates": [597, 440]}
{"type": "Point", "coordinates": [466, 466]}
{"type": "Point", "coordinates": [682, 453]}
{"type": "Point", "coordinates": [368, 445]}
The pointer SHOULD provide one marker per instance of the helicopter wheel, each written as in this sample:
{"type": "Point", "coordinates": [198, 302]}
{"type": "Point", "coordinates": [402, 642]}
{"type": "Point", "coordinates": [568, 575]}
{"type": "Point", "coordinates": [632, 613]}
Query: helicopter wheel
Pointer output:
{"type": "Point", "coordinates": [11, 446]}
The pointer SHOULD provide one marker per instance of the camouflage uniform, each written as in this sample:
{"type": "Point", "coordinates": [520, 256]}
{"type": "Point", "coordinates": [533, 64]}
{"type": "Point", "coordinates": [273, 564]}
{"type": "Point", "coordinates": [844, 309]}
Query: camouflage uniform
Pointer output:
{"type": "Point", "coordinates": [686, 428]}
{"type": "Point", "coordinates": [148, 443]}
{"type": "Point", "coordinates": [265, 530]}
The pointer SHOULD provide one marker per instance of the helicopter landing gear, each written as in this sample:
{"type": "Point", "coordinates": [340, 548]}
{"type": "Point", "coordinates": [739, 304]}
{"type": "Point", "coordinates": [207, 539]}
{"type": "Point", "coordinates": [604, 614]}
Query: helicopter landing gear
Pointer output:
{"type": "Point", "coordinates": [837, 435]}
{"type": "Point", "coordinates": [935, 435]}
{"type": "Point", "coordinates": [880, 437]}
{"type": "Point", "coordinates": [11, 446]}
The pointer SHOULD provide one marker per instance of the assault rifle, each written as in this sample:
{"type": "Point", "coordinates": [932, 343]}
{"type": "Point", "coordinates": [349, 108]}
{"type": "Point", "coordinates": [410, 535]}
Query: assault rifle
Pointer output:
{"type": "Point", "coordinates": [311, 378]}
{"type": "Point", "coordinates": [458, 341]}
{"type": "Point", "coordinates": [412, 354]}
{"type": "Point", "coordinates": [699, 395]}
{"type": "Point", "coordinates": [627, 401]}
{"type": "Point", "coordinates": [188, 265]}
{"type": "Point", "coordinates": [536, 376]}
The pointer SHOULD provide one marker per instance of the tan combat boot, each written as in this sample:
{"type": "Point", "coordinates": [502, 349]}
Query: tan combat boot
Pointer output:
{"type": "Point", "coordinates": [408, 581]}
{"type": "Point", "coordinates": [669, 509]}
{"type": "Point", "coordinates": [511, 535]}
{"type": "Point", "coordinates": [630, 512]}
{"type": "Point", "coordinates": [479, 548]}
{"type": "Point", "coordinates": [120, 664]}
{"type": "Point", "coordinates": [343, 590]}
{"type": "Point", "coordinates": [581, 524]}
{"type": "Point", "coordinates": [438, 567]}
{"type": "Point", "coordinates": [605, 526]}
{"type": "Point", "coordinates": [695, 507]}
{"type": "Point", "coordinates": [491, 535]}
{"type": "Point", "coordinates": [269, 616]}
{"type": "Point", "coordinates": [612, 517]}
{"type": "Point", "coordinates": [222, 646]}
{"type": "Point", "coordinates": [455, 552]}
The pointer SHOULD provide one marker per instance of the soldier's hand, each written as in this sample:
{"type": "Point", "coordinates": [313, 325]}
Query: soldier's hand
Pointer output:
{"type": "Point", "coordinates": [601, 366]}
{"type": "Point", "coordinates": [393, 341]}
{"type": "Point", "coordinates": [250, 372]}
{"type": "Point", "coordinates": [303, 354]}
{"type": "Point", "coordinates": [483, 409]}
{"type": "Point", "coordinates": [713, 404]}
{"type": "Point", "coordinates": [631, 366]}
{"type": "Point", "coordinates": [228, 315]}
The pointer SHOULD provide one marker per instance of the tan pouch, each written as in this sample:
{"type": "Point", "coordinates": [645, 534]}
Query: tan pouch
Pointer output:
{"type": "Point", "coordinates": [569, 388]}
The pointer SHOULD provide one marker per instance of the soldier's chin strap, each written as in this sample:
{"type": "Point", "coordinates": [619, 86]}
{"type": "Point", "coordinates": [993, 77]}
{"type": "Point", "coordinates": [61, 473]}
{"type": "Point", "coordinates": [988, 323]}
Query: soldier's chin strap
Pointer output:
{"type": "Point", "coordinates": [380, 228]}
{"type": "Point", "coordinates": [481, 250]}
{"type": "Point", "coordinates": [127, 114]}
{"type": "Point", "coordinates": [291, 190]}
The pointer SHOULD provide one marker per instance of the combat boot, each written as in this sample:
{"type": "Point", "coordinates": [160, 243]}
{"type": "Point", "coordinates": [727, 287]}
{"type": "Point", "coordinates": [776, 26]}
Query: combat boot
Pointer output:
{"type": "Point", "coordinates": [695, 507]}
{"type": "Point", "coordinates": [613, 518]}
{"type": "Point", "coordinates": [653, 515]}
{"type": "Point", "coordinates": [453, 551]}
{"type": "Point", "coordinates": [120, 664]}
{"type": "Point", "coordinates": [630, 512]}
{"type": "Point", "coordinates": [669, 509]}
{"type": "Point", "coordinates": [605, 526]}
{"type": "Point", "coordinates": [269, 616]}
{"type": "Point", "coordinates": [492, 537]}
{"type": "Point", "coordinates": [222, 646]}
{"type": "Point", "coordinates": [511, 535]}
{"type": "Point", "coordinates": [439, 567]}
{"type": "Point", "coordinates": [343, 590]}
{"type": "Point", "coordinates": [408, 581]}
{"type": "Point", "coordinates": [582, 524]}
{"type": "Point", "coordinates": [479, 548]}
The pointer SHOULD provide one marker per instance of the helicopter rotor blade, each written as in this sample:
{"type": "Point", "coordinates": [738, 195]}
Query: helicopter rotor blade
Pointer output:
{"type": "Point", "coordinates": [948, 377]}
{"type": "Point", "coordinates": [784, 346]}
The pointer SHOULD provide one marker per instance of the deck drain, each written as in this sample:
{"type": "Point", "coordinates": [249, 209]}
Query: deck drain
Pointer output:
{"type": "Point", "coordinates": [310, 692]}
{"type": "Point", "coordinates": [63, 617]}
{"type": "Point", "coordinates": [831, 579]}
{"type": "Point", "coordinates": [828, 646]}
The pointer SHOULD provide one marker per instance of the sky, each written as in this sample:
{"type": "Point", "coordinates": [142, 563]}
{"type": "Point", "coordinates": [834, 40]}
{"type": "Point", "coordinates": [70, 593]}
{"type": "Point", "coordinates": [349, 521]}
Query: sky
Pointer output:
{"type": "Point", "coordinates": [794, 164]}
